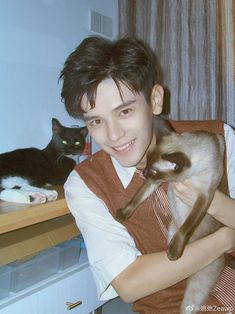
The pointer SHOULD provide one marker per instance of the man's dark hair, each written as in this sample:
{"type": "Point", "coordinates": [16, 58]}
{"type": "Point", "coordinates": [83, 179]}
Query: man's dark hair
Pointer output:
{"type": "Point", "coordinates": [126, 60]}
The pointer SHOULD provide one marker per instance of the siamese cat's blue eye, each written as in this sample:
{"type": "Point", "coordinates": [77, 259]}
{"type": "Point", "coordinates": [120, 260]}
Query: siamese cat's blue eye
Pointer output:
{"type": "Point", "coordinates": [64, 142]}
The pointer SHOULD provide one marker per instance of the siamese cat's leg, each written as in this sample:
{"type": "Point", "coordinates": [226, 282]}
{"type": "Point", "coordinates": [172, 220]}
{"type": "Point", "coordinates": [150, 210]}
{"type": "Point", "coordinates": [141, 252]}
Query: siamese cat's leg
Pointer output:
{"type": "Point", "coordinates": [171, 231]}
{"type": "Point", "coordinates": [182, 236]}
{"type": "Point", "coordinates": [144, 192]}
{"type": "Point", "coordinates": [200, 285]}
{"type": "Point", "coordinates": [179, 212]}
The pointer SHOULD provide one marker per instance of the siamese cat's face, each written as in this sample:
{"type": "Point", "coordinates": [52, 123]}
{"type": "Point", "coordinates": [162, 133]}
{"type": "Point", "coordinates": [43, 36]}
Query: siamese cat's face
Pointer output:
{"type": "Point", "coordinates": [167, 165]}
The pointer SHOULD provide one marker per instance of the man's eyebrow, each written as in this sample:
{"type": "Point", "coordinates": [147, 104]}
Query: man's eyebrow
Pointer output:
{"type": "Point", "coordinates": [86, 119]}
{"type": "Point", "coordinates": [121, 106]}
{"type": "Point", "coordinates": [124, 104]}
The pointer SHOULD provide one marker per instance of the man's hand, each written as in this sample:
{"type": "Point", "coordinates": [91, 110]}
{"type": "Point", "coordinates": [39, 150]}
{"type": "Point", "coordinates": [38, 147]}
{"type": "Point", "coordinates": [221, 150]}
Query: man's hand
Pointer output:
{"type": "Point", "coordinates": [222, 207]}
{"type": "Point", "coordinates": [229, 237]}
{"type": "Point", "coordinates": [185, 192]}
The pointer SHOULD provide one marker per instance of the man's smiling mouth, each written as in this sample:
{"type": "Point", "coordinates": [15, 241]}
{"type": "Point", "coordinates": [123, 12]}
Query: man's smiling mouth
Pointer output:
{"type": "Point", "coordinates": [123, 148]}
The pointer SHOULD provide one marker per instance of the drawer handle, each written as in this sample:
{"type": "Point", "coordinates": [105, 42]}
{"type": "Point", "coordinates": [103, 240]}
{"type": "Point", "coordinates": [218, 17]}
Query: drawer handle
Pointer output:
{"type": "Point", "coordinates": [71, 306]}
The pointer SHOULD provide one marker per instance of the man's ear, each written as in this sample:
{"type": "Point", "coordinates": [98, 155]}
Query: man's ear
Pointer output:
{"type": "Point", "coordinates": [157, 99]}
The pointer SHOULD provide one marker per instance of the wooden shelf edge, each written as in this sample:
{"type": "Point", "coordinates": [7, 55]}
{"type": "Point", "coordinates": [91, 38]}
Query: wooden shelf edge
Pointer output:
{"type": "Point", "coordinates": [33, 214]}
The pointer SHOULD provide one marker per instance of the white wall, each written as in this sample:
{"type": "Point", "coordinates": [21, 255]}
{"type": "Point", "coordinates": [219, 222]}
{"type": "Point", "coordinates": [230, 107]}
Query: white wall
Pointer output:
{"type": "Point", "coordinates": [36, 36]}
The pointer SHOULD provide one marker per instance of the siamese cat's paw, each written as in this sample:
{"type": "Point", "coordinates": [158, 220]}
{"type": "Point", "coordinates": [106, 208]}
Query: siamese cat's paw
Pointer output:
{"type": "Point", "coordinates": [120, 215]}
{"type": "Point", "coordinates": [124, 213]}
{"type": "Point", "coordinates": [176, 246]}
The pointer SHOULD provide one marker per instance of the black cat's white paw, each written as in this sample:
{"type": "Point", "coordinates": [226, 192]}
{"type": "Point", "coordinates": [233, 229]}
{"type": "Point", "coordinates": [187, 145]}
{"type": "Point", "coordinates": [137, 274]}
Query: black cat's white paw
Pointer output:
{"type": "Point", "coordinates": [23, 197]}
{"type": "Point", "coordinates": [50, 195]}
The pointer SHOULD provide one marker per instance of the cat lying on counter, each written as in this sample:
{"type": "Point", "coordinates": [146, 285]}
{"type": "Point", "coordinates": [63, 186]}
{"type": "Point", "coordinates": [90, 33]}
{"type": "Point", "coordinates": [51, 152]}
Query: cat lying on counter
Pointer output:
{"type": "Point", "coordinates": [24, 172]}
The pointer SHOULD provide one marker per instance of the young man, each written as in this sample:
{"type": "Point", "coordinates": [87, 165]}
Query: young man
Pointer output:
{"type": "Point", "coordinates": [113, 87]}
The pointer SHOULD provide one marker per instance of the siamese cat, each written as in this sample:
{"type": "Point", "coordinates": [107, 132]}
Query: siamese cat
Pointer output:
{"type": "Point", "coordinates": [198, 158]}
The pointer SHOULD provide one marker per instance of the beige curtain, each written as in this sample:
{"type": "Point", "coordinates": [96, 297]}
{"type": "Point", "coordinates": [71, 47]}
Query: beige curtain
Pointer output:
{"type": "Point", "coordinates": [194, 42]}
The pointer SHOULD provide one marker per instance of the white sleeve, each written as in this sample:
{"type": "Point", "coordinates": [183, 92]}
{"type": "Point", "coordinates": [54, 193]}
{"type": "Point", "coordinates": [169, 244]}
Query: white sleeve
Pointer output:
{"type": "Point", "coordinates": [109, 246]}
{"type": "Point", "coordinates": [229, 134]}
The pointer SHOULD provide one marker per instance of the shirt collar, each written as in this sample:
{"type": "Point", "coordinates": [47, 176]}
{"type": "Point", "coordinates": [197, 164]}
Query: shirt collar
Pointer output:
{"type": "Point", "coordinates": [125, 174]}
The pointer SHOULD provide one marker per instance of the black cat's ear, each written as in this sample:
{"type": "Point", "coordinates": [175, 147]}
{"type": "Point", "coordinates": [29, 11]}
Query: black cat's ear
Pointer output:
{"type": "Point", "coordinates": [84, 131]}
{"type": "Point", "coordinates": [56, 126]}
{"type": "Point", "coordinates": [180, 160]}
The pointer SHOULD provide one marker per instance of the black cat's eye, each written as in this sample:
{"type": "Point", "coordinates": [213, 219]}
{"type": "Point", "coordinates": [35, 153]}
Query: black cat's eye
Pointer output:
{"type": "Point", "coordinates": [77, 143]}
{"type": "Point", "coordinates": [64, 142]}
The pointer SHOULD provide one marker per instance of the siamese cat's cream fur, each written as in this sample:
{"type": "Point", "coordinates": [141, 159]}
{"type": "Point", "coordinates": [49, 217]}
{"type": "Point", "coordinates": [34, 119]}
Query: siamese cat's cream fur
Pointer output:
{"type": "Point", "coordinates": [198, 158]}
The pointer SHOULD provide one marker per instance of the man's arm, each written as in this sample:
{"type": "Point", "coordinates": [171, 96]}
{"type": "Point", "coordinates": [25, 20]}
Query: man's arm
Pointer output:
{"type": "Point", "coordinates": [153, 272]}
{"type": "Point", "coordinates": [229, 134]}
{"type": "Point", "coordinates": [109, 246]}
{"type": "Point", "coordinates": [222, 208]}
{"type": "Point", "coordinates": [114, 258]}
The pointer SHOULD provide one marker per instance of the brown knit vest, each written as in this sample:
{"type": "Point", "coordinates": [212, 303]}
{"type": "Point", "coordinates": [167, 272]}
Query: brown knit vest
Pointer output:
{"type": "Point", "coordinates": [99, 175]}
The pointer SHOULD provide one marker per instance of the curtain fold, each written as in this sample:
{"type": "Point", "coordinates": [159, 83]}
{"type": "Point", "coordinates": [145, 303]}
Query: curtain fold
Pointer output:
{"type": "Point", "coordinates": [194, 43]}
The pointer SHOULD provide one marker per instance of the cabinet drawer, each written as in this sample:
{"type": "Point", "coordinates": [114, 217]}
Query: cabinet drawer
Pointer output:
{"type": "Point", "coordinates": [52, 299]}
{"type": "Point", "coordinates": [79, 287]}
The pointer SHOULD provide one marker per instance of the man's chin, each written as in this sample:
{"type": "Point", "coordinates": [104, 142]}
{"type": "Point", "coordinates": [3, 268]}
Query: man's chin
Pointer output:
{"type": "Point", "coordinates": [130, 160]}
{"type": "Point", "coordinates": [125, 162]}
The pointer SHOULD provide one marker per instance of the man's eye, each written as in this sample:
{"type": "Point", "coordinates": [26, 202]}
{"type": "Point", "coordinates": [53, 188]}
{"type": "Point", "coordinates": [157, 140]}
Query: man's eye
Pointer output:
{"type": "Point", "coordinates": [126, 111]}
{"type": "Point", "coordinates": [96, 122]}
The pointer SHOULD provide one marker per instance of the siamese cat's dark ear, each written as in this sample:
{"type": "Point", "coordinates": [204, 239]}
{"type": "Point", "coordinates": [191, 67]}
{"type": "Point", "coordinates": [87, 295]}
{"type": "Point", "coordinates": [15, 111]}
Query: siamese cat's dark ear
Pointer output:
{"type": "Point", "coordinates": [180, 160]}
{"type": "Point", "coordinates": [84, 131]}
{"type": "Point", "coordinates": [56, 126]}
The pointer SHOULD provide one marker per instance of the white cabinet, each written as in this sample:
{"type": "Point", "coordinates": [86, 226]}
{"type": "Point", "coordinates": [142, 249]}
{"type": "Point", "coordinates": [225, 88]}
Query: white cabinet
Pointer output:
{"type": "Point", "coordinates": [50, 296]}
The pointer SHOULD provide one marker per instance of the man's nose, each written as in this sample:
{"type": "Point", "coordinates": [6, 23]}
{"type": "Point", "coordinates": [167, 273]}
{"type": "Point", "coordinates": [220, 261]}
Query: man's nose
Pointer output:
{"type": "Point", "coordinates": [115, 131]}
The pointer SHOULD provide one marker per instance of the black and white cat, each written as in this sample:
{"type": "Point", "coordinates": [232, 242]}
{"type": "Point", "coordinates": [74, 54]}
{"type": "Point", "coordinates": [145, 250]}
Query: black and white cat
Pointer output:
{"type": "Point", "coordinates": [23, 172]}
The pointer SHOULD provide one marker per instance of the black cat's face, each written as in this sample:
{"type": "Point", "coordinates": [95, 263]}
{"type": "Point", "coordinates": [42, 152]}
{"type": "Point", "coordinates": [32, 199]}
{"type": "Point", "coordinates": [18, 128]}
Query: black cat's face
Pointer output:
{"type": "Point", "coordinates": [68, 141]}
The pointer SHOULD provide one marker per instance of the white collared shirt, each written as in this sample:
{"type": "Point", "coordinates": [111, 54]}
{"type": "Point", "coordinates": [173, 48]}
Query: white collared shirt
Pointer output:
{"type": "Point", "coordinates": [109, 245]}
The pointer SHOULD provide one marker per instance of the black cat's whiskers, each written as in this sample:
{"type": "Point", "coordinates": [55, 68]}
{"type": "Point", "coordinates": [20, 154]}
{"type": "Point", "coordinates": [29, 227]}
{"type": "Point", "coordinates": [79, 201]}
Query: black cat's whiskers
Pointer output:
{"type": "Point", "coordinates": [59, 159]}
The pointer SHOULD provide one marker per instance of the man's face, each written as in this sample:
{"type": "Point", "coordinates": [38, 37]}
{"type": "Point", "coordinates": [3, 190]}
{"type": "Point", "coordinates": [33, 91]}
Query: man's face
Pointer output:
{"type": "Point", "coordinates": [122, 128]}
